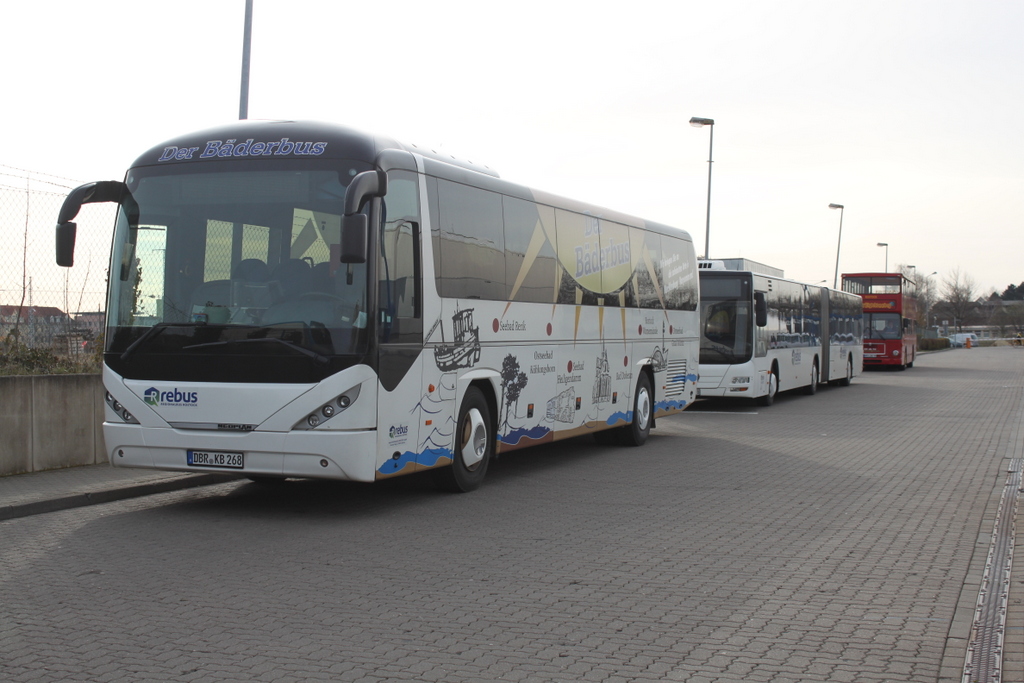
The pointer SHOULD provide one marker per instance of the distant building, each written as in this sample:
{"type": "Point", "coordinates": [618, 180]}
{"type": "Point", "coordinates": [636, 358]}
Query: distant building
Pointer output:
{"type": "Point", "coordinates": [91, 323]}
{"type": "Point", "coordinates": [38, 326]}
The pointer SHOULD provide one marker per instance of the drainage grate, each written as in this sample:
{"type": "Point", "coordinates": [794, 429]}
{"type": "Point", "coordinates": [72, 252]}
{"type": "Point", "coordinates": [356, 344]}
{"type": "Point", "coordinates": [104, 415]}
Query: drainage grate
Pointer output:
{"type": "Point", "coordinates": [985, 649]}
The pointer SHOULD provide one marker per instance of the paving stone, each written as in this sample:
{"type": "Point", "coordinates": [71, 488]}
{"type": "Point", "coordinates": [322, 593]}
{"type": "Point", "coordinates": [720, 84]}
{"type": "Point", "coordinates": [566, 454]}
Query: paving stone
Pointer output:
{"type": "Point", "coordinates": [839, 537]}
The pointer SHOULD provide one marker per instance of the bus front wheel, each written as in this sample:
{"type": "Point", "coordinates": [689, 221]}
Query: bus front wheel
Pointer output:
{"type": "Point", "coordinates": [812, 388]}
{"type": "Point", "coordinates": [473, 446]}
{"type": "Point", "coordinates": [773, 389]}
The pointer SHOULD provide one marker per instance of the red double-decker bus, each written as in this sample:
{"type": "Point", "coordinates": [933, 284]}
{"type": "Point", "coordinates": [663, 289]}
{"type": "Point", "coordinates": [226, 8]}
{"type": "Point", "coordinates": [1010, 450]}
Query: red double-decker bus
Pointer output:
{"type": "Point", "coordinates": [890, 315]}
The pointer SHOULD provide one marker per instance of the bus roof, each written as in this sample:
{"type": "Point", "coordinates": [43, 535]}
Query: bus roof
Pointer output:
{"type": "Point", "coordinates": [286, 139]}
{"type": "Point", "coordinates": [853, 275]}
{"type": "Point", "coordinates": [302, 139]}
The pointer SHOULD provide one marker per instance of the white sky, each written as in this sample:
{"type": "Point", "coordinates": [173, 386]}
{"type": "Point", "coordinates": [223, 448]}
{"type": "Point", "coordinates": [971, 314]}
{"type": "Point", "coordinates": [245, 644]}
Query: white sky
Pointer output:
{"type": "Point", "coordinates": [907, 112]}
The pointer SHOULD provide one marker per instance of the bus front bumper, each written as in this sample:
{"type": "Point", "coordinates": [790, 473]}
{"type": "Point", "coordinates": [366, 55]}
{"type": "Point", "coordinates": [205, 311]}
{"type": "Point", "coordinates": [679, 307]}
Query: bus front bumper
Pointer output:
{"type": "Point", "coordinates": [307, 454]}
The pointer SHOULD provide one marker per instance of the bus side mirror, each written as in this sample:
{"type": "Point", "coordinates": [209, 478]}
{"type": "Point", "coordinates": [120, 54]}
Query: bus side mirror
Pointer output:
{"type": "Point", "coordinates": [760, 309]}
{"type": "Point", "coordinates": [90, 193]}
{"type": "Point", "coordinates": [66, 243]}
{"type": "Point", "coordinates": [355, 226]}
{"type": "Point", "coordinates": [354, 237]}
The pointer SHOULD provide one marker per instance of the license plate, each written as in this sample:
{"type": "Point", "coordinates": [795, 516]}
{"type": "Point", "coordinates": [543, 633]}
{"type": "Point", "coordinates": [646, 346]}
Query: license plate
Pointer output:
{"type": "Point", "coordinates": [216, 459]}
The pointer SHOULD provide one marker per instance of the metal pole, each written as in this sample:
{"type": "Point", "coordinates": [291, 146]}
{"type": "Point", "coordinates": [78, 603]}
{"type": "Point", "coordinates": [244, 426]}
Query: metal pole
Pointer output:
{"type": "Point", "coordinates": [243, 103]}
{"type": "Point", "coordinates": [707, 228]}
{"type": "Point", "coordinates": [839, 244]}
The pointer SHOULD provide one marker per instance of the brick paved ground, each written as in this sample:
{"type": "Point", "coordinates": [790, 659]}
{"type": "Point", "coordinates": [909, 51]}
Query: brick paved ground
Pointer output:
{"type": "Point", "coordinates": [827, 538]}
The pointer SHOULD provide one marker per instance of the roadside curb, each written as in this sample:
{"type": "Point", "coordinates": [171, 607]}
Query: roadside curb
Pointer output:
{"type": "Point", "coordinates": [186, 481]}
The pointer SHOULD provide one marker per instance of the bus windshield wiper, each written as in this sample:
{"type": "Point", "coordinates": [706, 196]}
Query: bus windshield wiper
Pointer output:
{"type": "Point", "coordinates": [146, 336]}
{"type": "Point", "coordinates": [318, 357]}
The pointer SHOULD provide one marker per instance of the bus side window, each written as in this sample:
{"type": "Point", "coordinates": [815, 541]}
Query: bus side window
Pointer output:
{"type": "Point", "coordinates": [527, 225]}
{"type": "Point", "coordinates": [760, 309]}
{"type": "Point", "coordinates": [472, 242]}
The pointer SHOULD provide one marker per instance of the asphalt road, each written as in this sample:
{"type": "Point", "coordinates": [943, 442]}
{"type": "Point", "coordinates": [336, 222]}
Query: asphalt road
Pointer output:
{"type": "Point", "coordinates": [835, 537]}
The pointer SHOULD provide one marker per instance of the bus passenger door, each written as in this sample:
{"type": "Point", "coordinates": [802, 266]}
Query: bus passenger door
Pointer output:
{"type": "Point", "coordinates": [761, 338]}
{"type": "Point", "coordinates": [399, 329]}
{"type": "Point", "coordinates": [828, 353]}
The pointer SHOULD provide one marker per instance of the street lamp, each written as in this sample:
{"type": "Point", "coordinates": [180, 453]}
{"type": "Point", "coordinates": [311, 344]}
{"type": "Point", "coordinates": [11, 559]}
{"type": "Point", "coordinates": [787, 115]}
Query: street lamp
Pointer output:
{"type": "Point", "coordinates": [243, 97]}
{"type": "Point", "coordinates": [835, 281]}
{"type": "Point", "coordinates": [886, 245]}
{"type": "Point", "coordinates": [698, 122]}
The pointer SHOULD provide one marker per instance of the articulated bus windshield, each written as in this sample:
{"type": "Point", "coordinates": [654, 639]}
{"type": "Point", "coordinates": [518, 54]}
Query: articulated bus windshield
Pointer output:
{"type": "Point", "coordinates": [725, 319]}
{"type": "Point", "coordinates": [237, 260]}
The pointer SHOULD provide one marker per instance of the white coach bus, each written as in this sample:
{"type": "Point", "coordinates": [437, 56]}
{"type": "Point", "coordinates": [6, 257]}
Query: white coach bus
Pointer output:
{"type": "Point", "coordinates": [300, 300]}
{"type": "Point", "coordinates": [762, 334]}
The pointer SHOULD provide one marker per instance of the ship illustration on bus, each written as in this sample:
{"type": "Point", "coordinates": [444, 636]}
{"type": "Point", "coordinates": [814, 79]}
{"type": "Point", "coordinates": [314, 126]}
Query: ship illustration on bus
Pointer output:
{"type": "Point", "coordinates": [464, 350]}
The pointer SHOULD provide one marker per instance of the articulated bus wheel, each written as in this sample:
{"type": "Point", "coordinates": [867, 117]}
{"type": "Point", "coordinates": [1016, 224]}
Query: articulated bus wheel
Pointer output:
{"type": "Point", "coordinates": [473, 447]}
{"type": "Point", "coordinates": [812, 388]}
{"type": "Point", "coordinates": [845, 382]}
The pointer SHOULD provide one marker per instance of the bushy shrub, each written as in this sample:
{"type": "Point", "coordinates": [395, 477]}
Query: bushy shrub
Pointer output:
{"type": "Point", "coordinates": [932, 344]}
{"type": "Point", "coordinates": [18, 359]}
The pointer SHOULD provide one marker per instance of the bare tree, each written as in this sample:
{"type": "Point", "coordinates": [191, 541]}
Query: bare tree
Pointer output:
{"type": "Point", "coordinates": [960, 293]}
{"type": "Point", "coordinates": [927, 297]}
{"type": "Point", "coordinates": [1010, 318]}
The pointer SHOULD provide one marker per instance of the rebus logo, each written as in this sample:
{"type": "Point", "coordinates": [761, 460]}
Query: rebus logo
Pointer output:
{"type": "Point", "coordinates": [399, 430]}
{"type": "Point", "coordinates": [174, 397]}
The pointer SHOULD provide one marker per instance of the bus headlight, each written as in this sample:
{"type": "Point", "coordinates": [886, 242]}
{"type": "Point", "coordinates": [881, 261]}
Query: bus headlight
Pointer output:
{"type": "Point", "coordinates": [120, 410]}
{"type": "Point", "coordinates": [741, 380]}
{"type": "Point", "coordinates": [896, 352]}
{"type": "Point", "coordinates": [335, 406]}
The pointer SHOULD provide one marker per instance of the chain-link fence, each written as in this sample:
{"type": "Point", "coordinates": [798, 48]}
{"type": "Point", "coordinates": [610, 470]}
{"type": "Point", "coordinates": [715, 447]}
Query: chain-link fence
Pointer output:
{"type": "Point", "coordinates": [44, 306]}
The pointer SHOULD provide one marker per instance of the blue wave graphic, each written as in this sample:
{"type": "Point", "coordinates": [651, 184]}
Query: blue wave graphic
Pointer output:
{"type": "Point", "coordinates": [428, 458]}
{"type": "Point", "coordinates": [621, 416]}
{"type": "Point", "coordinates": [514, 436]}
{"type": "Point", "coordinates": [661, 406]}
{"type": "Point", "coordinates": [432, 456]}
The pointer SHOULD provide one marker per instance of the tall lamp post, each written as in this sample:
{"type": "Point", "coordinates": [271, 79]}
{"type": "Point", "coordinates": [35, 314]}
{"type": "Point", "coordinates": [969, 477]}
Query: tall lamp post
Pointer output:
{"type": "Point", "coordinates": [698, 122]}
{"type": "Point", "coordinates": [886, 245]}
{"type": "Point", "coordinates": [243, 97]}
{"type": "Point", "coordinates": [835, 281]}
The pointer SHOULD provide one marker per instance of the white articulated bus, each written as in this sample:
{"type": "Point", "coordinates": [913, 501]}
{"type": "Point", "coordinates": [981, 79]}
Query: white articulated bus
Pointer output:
{"type": "Point", "coordinates": [762, 334]}
{"type": "Point", "coordinates": [295, 299]}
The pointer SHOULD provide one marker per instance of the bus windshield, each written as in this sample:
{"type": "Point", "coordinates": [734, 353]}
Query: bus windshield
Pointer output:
{"type": "Point", "coordinates": [240, 257]}
{"type": "Point", "coordinates": [725, 318]}
{"type": "Point", "coordinates": [883, 326]}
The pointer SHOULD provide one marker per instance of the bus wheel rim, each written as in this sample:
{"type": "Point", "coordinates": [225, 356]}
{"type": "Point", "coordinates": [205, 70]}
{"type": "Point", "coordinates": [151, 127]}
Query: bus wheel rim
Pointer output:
{"type": "Point", "coordinates": [643, 408]}
{"type": "Point", "coordinates": [474, 439]}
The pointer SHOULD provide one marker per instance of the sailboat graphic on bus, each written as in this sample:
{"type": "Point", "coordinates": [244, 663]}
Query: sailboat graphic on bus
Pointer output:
{"type": "Point", "coordinates": [464, 350]}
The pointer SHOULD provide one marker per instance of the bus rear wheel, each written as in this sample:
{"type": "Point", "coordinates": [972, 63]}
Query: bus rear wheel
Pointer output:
{"type": "Point", "coordinates": [643, 414]}
{"type": "Point", "coordinates": [473, 446]}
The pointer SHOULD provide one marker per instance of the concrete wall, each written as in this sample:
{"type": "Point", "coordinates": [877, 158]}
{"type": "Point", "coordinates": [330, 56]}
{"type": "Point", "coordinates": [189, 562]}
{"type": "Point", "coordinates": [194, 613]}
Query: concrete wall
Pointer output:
{"type": "Point", "coordinates": [50, 421]}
